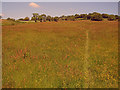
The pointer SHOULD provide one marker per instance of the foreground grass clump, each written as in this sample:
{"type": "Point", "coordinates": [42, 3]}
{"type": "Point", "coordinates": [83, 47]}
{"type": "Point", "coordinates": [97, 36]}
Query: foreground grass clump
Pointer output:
{"type": "Point", "coordinates": [52, 54]}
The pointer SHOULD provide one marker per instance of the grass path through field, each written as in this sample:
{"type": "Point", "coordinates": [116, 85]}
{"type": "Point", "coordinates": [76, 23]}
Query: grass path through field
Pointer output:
{"type": "Point", "coordinates": [89, 80]}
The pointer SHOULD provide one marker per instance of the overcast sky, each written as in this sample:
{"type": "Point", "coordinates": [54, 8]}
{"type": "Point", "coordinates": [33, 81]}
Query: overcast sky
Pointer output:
{"type": "Point", "coordinates": [23, 9]}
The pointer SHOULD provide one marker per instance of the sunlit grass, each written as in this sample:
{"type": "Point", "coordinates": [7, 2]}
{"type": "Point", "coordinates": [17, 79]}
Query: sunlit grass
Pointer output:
{"type": "Point", "coordinates": [52, 54]}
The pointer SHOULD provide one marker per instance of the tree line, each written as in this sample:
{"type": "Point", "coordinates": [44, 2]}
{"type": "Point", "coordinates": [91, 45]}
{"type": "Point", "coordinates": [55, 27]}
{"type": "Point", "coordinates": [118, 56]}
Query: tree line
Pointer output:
{"type": "Point", "coordinates": [91, 16]}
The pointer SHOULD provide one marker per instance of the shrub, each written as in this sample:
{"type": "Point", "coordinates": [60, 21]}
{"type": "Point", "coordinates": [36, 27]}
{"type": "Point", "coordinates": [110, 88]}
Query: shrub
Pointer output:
{"type": "Point", "coordinates": [88, 16]}
{"type": "Point", "coordinates": [0, 17]}
{"type": "Point", "coordinates": [52, 18]}
{"type": "Point", "coordinates": [116, 17]}
{"type": "Point", "coordinates": [65, 18]}
{"type": "Point", "coordinates": [56, 19]}
{"type": "Point", "coordinates": [17, 20]}
{"type": "Point", "coordinates": [21, 19]}
{"type": "Point", "coordinates": [33, 18]}
{"type": "Point", "coordinates": [77, 16]}
{"type": "Point", "coordinates": [84, 16]}
{"type": "Point", "coordinates": [48, 18]}
{"type": "Point", "coordinates": [26, 19]}
{"type": "Point", "coordinates": [11, 19]}
{"type": "Point", "coordinates": [96, 17]}
{"type": "Point", "coordinates": [105, 15]}
{"type": "Point", "coordinates": [8, 18]}
{"type": "Point", "coordinates": [70, 18]}
{"type": "Point", "coordinates": [111, 18]}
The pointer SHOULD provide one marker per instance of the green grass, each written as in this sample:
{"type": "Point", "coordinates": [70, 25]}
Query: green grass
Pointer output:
{"type": "Point", "coordinates": [9, 22]}
{"type": "Point", "coordinates": [52, 55]}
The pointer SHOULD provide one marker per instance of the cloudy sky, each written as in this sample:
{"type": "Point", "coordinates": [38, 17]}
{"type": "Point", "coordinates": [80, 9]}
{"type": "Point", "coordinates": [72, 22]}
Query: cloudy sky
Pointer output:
{"type": "Point", "coordinates": [22, 9]}
{"type": "Point", "coordinates": [60, 0]}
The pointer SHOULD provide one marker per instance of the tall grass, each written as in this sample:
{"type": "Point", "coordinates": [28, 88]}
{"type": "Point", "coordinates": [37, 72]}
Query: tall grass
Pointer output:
{"type": "Point", "coordinates": [52, 55]}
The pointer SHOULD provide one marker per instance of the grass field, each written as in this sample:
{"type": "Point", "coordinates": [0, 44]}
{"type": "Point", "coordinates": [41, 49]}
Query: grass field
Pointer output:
{"type": "Point", "coordinates": [69, 54]}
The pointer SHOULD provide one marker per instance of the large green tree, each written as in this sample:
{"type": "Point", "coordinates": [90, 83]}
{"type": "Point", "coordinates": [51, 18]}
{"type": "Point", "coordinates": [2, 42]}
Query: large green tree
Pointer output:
{"type": "Point", "coordinates": [40, 18]}
{"type": "Point", "coordinates": [35, 16]}
{"type": "Point", "coordinates": [43, 17]}
{"type": "Point", "coordinates": [96, 16]}
{"type": "Point", "coordinates": [48, 18]}
{"type": "Point", "coordinates": [56, 19]}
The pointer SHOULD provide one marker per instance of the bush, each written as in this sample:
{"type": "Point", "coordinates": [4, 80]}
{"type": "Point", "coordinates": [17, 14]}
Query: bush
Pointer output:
{"type": "Point", "coordinates": [105, 15]}
{"type": "Point", "coordinates": [88, 16]}
{"type": "Point", "coordinates": [8, 22]}
{"type": "Point", "coordinates": [26, 19]}
{"type": "Point", "coordinates": [8, 18]}
{"type": "Point", "coordinates": [111, 18]}
{"type": "Point", "coordinates": [48, 18]}
{"type": "Point", "coordinates": [116, 17]}
{"type": "Point", "coordinates": [70, 18]}
{"type": "Point", "coordinates": [83, 16]}
{"type": "Point", "coordinates": [11, 19]}
{"type": "Point", "coordinates": [77, 16]}
{"type": "Point", "coordinates": [52, 18]}
{"type": "Point", "coordinates": [21, 19]}
{"type": "Point", "coordinates": [56, 19]}
{"type": "Point", "coordinates": [0, 17]}
{"type": "Point", "coordinates": [17, 20]}
{"type": "Point", "coordinates": [96, 17]}
{"type": "Point", "coordinates": [65, 18]}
